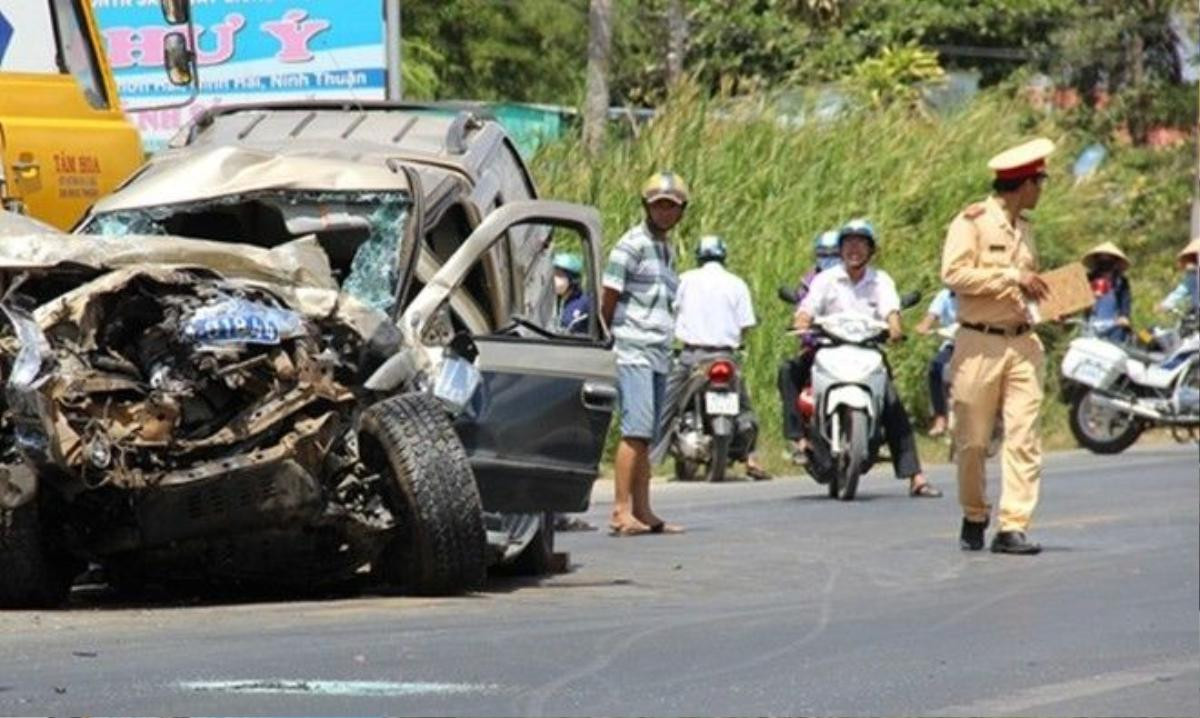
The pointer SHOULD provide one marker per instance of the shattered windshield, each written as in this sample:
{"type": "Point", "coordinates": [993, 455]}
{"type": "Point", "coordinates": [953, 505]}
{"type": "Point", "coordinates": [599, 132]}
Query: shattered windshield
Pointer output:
{"type": "Point", "coordinates": [361, 232]}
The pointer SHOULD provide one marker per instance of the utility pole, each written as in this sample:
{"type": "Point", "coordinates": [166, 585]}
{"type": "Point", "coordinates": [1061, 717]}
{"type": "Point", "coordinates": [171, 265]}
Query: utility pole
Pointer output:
{"type": "Point", "coordinates": [393, 42]}
{"type": "Point", "coordinates": [595, 105]}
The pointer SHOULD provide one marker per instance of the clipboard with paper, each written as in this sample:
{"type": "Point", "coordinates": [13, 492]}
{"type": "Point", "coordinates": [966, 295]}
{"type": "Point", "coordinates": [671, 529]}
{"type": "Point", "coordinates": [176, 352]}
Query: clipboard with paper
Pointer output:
{"type": "Point", "coordinates": [1069, 293]}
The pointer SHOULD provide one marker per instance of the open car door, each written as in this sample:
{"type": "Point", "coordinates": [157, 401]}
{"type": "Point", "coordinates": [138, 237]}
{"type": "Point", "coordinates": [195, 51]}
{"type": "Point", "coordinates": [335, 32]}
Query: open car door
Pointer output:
{"type": "Point", "coordinates": [535, 428]}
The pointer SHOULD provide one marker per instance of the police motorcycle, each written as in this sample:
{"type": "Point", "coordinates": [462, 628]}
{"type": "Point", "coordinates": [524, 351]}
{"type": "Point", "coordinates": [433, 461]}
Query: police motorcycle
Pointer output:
{"type": "Point", "coordinates": [843, 407]}
{"type": "Point", "coordinates": [1117, 391]}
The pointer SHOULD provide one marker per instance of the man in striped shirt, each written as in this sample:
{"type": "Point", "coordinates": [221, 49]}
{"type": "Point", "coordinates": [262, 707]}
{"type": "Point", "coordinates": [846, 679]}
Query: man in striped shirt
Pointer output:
{"type": "Point", "coordinates": [639, 304]}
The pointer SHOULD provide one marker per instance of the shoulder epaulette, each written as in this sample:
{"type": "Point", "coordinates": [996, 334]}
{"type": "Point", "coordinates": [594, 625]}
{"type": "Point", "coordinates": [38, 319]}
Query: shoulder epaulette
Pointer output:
{"type": "Point", "coordinates": [974, 211]}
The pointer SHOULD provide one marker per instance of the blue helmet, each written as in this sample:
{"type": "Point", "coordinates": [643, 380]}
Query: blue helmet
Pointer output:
{"type": "Point", "coordinates": [858, 227]}
{"type": "Point", "coordinates": [711, 248]}
{"type": "Point", "coordinates": [825, 248]}
{"type": "Point", "coordinates": [569, 262]}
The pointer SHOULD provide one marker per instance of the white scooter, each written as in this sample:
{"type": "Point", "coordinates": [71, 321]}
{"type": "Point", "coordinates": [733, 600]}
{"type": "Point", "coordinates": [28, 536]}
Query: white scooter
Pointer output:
{"type": "Point", "coordinates": [849, 382]}
{"type": "Point", "coordinates": [1117, 391]}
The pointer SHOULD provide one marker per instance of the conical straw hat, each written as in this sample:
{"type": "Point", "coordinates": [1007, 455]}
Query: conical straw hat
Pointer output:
{"type": "Point", "coordinates": [1193, 248]}
{"type": "Point", "coordinates": [1111, 250]}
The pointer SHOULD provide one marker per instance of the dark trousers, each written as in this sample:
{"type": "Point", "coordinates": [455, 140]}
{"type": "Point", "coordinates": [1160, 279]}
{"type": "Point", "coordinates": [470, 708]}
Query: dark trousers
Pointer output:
{"type": "Point", "coordinates": [794, 375]}
{"type": "Point", "coordinates": [897, 432]}
{"type": "Point", "coordinates": [937, 389]}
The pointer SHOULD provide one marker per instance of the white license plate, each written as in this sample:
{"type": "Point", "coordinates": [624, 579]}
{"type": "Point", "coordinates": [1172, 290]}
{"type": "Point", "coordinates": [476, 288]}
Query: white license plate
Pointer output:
{"type": "Point", "coordinates": [1090, 373]}
{"type": "Point", "coordinates": [718, 403]}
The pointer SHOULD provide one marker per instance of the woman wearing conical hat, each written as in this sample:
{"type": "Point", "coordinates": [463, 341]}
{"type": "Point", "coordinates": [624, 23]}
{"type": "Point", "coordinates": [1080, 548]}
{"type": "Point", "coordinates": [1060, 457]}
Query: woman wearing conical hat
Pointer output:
{"type": "Point", "coordinates": [1186, 296]}
{"type": "Point", "coordinates": [1109, 317]}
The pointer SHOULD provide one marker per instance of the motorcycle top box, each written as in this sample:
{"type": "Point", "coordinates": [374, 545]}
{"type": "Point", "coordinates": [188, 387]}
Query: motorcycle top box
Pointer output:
{"type": "Point", "coordinates": [1094, 362]}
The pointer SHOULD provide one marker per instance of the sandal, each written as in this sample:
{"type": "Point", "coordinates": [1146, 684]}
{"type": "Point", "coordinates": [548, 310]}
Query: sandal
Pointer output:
{"type": "Point", "coordinates": [662, 527]}
{"type": "Point", "coordinates": [626, 531]}
{"type": "Point", "coordinates": [758, 473]}
{"type": "Point", "coordinates": [925, 491]}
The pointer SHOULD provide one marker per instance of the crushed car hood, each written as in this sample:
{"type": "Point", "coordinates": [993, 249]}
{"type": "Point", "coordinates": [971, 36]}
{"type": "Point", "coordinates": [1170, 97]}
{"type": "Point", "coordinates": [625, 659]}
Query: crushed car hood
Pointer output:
{"type": "Point", "coordinates": [138, 361]}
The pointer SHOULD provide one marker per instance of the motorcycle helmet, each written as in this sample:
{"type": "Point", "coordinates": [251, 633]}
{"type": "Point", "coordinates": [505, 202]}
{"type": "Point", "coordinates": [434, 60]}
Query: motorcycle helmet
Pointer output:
{"type": "Point", "coordinates": [711, 249]}
{"type": "Point", "coordinates": [825, 249]}
{"type": "Point", "coordinates": [665, 185]}
{"type": "Point", "coordinates": [858, 227]}
{"type": "Point", "coordinates": [570, 263]}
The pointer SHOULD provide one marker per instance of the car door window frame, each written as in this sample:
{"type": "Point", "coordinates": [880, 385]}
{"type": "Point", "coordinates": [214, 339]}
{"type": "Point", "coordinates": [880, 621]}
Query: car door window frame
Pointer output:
{"type": "Point", "coordinates": [583, 220]}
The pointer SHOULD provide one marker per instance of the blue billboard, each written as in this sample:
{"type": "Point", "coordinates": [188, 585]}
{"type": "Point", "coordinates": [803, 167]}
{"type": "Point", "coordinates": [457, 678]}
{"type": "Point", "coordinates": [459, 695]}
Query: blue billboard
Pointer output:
{"type": "Point", "coordinates": [247, 51]}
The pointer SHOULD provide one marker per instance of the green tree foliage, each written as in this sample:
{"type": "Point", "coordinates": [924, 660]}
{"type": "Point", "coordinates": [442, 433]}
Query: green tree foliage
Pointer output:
{"type": "Point", "coordinates": [419, 69]}
{"type": "Point", "coordinates": [1126, 49]}
{"type": "Point", "coordinates": [897, 76]}
{"type": "Point", "coordinates": [531, 50]}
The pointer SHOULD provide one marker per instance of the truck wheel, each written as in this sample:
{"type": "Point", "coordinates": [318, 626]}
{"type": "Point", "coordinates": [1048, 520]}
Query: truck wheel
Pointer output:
{"type": "Point", "coordinates": [1100, 430]}
{"type": "Point", "coordinates": [31, 574]}
{"type": "Point", "coordinates": [439, 546]}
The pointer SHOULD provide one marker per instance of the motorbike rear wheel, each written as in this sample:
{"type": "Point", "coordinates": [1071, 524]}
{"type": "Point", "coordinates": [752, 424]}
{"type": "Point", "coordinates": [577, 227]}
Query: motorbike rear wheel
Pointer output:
{"type": "Point", "coordinates": [686, 470]}
{"type": "Point", "coordinates": [718, 458]}
{"type": "Point", "coordinates": [854, 461]}
{"type": "Point", "coordinates": [1099, 429]}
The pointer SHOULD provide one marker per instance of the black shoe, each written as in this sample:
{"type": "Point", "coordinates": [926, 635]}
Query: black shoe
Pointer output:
{"type": "Point", "coordinates": [1014, 542]}
{"type": "Point", "coordinates": [971, 536]}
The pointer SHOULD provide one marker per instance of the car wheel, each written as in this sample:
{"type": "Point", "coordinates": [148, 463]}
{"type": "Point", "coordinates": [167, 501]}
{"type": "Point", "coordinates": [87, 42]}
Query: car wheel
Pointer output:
{"type": "Point", "coordinates": [439, 546]}
{"type": "Point", "coordinates": [31, 574]}
{"type": "Point", "coordinates": [537, 559]}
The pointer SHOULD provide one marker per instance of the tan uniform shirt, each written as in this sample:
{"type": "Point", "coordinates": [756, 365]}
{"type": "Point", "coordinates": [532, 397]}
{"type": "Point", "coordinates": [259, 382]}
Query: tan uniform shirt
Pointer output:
{"type": "Point", "coordinates": [982, 262]}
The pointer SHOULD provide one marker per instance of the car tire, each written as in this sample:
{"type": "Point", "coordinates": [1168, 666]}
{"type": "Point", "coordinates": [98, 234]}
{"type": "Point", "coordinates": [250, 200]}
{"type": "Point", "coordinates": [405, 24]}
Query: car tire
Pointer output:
{"type": "Point", "coordinates": [440, 546]}
{"type": "Point", "coordinates": [538, 557]}
{"type": "Point", "coordinates": [31, 575]}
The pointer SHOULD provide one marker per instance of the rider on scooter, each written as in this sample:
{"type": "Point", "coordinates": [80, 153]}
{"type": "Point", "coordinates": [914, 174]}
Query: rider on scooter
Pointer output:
{"type": "Point", "coordinates": [856, 286]}
{"type": "Point", "coordinates": [794, 373]}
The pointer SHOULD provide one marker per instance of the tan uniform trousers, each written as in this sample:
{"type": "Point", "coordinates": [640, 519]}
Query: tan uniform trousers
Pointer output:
{"type": "Point", "coordinates": [990, 372]}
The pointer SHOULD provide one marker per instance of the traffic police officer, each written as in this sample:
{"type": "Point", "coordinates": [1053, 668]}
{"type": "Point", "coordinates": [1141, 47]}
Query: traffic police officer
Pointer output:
{"type": "Point", "coordinates": [990, 262]}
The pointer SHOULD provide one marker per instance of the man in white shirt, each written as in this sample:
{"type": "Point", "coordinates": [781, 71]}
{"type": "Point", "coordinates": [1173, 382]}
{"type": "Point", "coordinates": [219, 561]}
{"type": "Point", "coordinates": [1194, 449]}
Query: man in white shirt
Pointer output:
{"type": "Point", "coordinates": [713, 313]}
{"type": "Point", "coordinates": [855, 286]}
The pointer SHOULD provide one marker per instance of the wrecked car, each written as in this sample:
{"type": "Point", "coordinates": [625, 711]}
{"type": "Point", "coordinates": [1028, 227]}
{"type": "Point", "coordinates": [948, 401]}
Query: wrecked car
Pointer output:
{"type": "Point", "coordinates": [290, 365]}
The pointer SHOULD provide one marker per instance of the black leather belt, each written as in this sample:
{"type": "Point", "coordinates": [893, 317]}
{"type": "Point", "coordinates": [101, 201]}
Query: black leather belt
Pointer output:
{"type": "Point", "coordinates": [999, 331]}
{"type": "Point", "coordinates": [711, 349]}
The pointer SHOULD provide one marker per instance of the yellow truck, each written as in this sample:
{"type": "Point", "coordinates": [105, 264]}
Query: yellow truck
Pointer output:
{"type": "Point", "coordinates": [64, 141]}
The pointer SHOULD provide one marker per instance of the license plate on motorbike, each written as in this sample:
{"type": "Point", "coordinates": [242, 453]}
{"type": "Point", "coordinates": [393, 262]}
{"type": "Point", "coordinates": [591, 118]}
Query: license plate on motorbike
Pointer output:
{"type": "Point", "coordinates": [719, 403]}
{"type": "Point", "coordinates": [1090, 373]}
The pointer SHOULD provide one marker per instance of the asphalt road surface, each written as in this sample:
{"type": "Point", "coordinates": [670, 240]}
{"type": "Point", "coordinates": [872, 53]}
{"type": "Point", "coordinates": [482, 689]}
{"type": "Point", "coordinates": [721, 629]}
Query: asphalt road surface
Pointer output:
{"type": "Point", "coordinates": [777, 601]}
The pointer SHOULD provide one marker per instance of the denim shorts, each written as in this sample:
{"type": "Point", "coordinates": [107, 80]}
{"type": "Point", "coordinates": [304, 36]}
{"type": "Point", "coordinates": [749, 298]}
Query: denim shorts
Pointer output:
{"type": "Point", "coordinates": [642, 390]}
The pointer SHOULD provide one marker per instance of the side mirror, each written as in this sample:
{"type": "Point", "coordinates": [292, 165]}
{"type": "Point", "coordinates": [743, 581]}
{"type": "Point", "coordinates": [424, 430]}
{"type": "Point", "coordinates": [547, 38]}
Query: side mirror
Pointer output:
{"type": "Point", "coordinates": [176, 12]}
{"type": "Point", "coordinates": [179, 59]}
{"type": "Point", "coordinates": [909, 299]}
